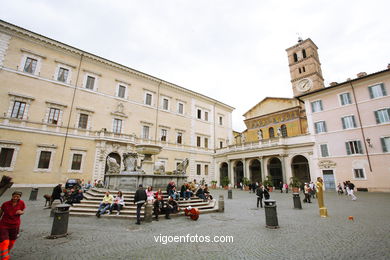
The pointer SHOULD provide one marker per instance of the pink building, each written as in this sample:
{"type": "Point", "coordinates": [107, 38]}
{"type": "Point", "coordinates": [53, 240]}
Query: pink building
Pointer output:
{"type": "Point", "coordinates": [350, 122]}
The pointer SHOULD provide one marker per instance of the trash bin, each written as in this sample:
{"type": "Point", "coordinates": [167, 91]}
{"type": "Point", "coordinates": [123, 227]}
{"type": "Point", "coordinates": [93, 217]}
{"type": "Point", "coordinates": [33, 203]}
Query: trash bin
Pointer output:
{"type": "Point", "coordinates": [148, 212]}
{"type": "Point", "coordinates": [34, 194]}
{"type": "Point", "coordinates": [230, 194]}
{"type": "Point", "coordinates": [271, 217]}
{"type": "Point", "coordinates": [297, 201]}
{"type": "Point", "coordinates": [221, 204]}
{"type": "Point", "coordinates": [60, 221]}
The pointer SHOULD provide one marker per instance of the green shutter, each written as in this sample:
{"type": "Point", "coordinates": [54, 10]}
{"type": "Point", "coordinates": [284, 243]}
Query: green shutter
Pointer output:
{"type": "Point", "coordinates": [342, 121]}
{"type": "Point", "coordinates": [384, 147]}
{"type": "Point", "coordinates": [371, 94]}
{"type": "Point", "coordinates": [383, 90]}
{"type": "Point", "coordinates": [348, 148]}
{"type": "Point", "coordinates": [321, 105]}
{"type": "Point", "coordinates": [349, 98]}
{"type": "Point", "coordinates": [353, 120]}
{"type": "Point", "coordinates": [312, 107]}
{"type": "Point", "coordinates": [377, 117]}
{"type": "Point", "coordinates": [342, 100]}
{"type": "Point", "coordinates": [359, 146]}
{"type": "Point", "coordinates": [325, 127]}
{"type": "Point", "coordinates": [316, 128]}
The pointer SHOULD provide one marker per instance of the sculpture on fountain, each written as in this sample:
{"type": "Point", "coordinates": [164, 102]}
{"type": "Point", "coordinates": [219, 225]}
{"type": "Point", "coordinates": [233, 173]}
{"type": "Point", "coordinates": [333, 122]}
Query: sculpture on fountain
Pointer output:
{"type": "Point", "coordinates": [159, 168]}
{"type": "Point", "coordinates": [130, 162]}
{"type": "Point", "coordinates": [182, 167]}
{"type": "Point", "coordinates": [113, 166]}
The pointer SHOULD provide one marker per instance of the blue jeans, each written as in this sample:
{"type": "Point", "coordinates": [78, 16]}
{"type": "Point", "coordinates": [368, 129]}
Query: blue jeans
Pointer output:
{"type": "Point", "coordinates": [103, 207]}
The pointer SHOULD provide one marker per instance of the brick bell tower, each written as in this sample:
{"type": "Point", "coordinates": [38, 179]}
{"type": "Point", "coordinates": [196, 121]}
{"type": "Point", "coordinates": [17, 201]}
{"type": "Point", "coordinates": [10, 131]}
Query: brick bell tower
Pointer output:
{"type": "Point", "coordinates": [305, 67]}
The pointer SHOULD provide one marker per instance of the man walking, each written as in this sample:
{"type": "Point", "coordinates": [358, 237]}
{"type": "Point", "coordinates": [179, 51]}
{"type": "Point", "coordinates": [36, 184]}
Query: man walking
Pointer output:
{"type": "Point", "coordinates": [259, 194]}
{"type": "Point", "coordinates": [139, 199]}
{"type": "Point", "coordinates": [10, 222]}
{"type": "Point", "coordinates": [351, 187]}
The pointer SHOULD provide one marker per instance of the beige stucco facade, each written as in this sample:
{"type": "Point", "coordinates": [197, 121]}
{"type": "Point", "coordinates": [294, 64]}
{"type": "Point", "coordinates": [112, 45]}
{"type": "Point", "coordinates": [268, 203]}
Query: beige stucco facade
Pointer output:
{"type": "Point", "coordinates": [98, 108]}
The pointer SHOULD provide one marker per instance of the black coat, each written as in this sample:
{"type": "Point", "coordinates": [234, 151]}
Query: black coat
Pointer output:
{"type": "Point", "coordinates": [140, 195]}
{"type": "Point", "coordinates": [259, 192]}
{"type": "Point", "coordinates": [56, 194]}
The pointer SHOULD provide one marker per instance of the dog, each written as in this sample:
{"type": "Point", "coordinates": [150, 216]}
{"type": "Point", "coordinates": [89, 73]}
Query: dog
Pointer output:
{"type": "Point", "coordinates": [48, 199]}
{"type": "Point", "coordinates": [351, 218]}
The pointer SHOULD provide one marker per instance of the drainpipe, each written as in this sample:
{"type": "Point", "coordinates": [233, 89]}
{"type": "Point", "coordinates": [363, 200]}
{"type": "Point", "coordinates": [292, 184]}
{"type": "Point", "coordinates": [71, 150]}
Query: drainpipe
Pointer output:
{"type": "Point", "coordinates": [361, 126]}
{"type": "Point", "coordinates": [71, 108]}
{"type": "Point", "coordinates": [158, 109]}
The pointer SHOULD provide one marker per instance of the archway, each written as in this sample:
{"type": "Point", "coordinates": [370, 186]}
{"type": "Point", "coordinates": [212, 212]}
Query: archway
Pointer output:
{"type": "Point", "coordinates": [238, 173]}
{"type": "Point", "coordinates": [275, 171]}
{"type": "Point", "coordinates": [255, 171]}
{"type": "Point", "coordinates": [223, 172]}
{"type": "Point", "coordinates": [116, 156]}
{"type": "Point", "coordinates": [300, 168]}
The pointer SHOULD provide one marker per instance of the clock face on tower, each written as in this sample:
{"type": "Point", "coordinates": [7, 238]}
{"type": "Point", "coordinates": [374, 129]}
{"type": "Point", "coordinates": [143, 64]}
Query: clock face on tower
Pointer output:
{"type": "Point", "coordinates": [304, 85]}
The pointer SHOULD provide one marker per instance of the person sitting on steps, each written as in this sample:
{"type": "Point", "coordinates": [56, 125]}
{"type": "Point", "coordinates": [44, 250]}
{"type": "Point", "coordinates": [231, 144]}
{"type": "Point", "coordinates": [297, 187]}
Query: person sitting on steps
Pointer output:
{"type": "Point", "coordinates": [105, 204]}
{"type": "Point", "coordinates": [118, 204]}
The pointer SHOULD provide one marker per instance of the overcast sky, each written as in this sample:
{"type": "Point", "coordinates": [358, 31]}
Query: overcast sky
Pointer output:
{"type": "Point", "coordinates": [229, 50]}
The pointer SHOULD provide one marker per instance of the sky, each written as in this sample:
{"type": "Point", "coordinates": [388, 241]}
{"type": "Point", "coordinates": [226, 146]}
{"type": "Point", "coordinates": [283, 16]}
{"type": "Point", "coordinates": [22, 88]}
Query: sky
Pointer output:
{"type": "Point", "coordinates": [230, 50]}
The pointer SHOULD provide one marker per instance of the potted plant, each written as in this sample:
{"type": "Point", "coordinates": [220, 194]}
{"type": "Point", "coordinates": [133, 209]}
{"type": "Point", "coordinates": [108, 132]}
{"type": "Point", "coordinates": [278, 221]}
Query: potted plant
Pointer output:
{"type": "Point", "coordinates": [268, 183]}
{"type": "Point", "coordinates": [225, 182]}
{"type": "Point", "coordinates": [246, 183]}
{"type": "Point", "coordinates": [213, 184]}
{"type": "Point", "coordinates": [295, 183]}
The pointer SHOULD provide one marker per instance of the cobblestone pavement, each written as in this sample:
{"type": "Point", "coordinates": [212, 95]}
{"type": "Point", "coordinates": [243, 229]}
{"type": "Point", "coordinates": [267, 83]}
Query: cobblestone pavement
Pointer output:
{"type": "Point", "coordinates": [302, 233]}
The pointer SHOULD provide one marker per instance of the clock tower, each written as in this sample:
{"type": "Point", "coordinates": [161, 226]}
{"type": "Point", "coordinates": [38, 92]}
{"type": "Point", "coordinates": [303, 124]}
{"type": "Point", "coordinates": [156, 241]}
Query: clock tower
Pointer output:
{"type": "Point", "coordinates": [305, 67]}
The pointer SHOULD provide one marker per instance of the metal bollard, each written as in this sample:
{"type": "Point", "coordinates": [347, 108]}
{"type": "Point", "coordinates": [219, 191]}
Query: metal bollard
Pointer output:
{"type": "Point", "coordinates": [230, 194]}
{"type": "Point", "coordinates": [271, 217]}
{"type": "Point", "coordinates": [221, 204]}
{"type": "Point", "coordinates": [33, 194]}
{"type": "Point", "coordinates": [60, 221]}
{"type": "Point", "coordinates": [148, 212]}
{"type": "Point", "coordinates": [297, 201]}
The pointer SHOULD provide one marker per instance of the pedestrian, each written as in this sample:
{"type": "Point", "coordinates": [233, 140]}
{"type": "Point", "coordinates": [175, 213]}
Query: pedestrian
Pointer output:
{"type": "Point", "coordinates": [260, 194]}
{"type": "Point", "coordinates": [351, 187]}
{"type": "Point", "coordinates": [285, 186]}
{"type": "Point", "coordinates": [339, 189]}
{"type": "Point", "coordinates": [10, 213]}
{"type": "Point", "coordinates": [281, 187]}
{"type": "Point", "coordinates": [307, 192]}
{"type": "Point", "coordinates": [56, 194]}
{"type": "Point", "coordinates": [312, 189]}
{"type": "Point", "coordinates": [140, 198]}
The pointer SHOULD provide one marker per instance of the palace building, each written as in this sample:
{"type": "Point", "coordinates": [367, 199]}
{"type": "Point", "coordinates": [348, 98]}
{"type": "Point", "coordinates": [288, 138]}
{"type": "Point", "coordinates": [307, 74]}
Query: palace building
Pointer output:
{"type": "Point", "coordinates": [64, 111]}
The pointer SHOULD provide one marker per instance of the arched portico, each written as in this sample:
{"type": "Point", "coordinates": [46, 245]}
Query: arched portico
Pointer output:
{"type": "Point", "coordinates": [238, 173]}
{"type": "Point", "coordinates": [300, 168]}
{"type": "Point", "coordinates": [223, 172]}
{"type": "Point", "coordinates": [255, 171]}
{"type": "Point", "coordinates": [275, 171]}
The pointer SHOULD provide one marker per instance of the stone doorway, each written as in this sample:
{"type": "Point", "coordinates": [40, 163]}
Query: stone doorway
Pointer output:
{"type": "Point", "coordinates": [223, 172]}
{"type": "Point", "coordinates": [255, 171]}
{"type": "Point", "coordinates": [300, 168]}
{"type": "Point", "coordinates": [238, 174]}
{"type": "Point", "coordinates": [275, 171]}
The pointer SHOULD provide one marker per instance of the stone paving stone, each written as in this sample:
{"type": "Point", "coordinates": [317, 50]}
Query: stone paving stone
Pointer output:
{"type": "Point", "coordinates": [303, 234]}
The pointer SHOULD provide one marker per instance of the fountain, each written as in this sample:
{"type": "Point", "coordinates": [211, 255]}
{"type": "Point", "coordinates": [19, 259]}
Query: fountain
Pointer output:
{"type": "Point", "coordinates": [147, 174]}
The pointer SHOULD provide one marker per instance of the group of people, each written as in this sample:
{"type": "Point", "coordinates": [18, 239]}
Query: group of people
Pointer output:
{"type": "Point", "coordinates": [70, 196]}
{"type": "Point", "coordinates": [348, 188]}
{"type": "Point", "coordinates": [261, 192]}
{"type": "Point", "coordinates": [309, 190]}
{"type": "Point", "coordinates": [110, 203]}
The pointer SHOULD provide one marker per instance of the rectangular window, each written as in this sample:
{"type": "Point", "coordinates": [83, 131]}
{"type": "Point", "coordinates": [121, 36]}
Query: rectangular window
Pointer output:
{"type": "Point", "coordinates": [220, 120]}
{"type": "Point", "coordinates": [18, 110]}
{"type": "Point", "coordinates": [382, 116]}
{"type": "Point", "coordinates": [148, 99]}
{"type": "Point", "coordinates": [90, 82]}
{"type": "Point", "coordinates": [348, 122]}
{"type": "Point", "coordinates": [320, 127]}
{"type": "Point", "coordinates": [324, 150]}
{"type": "Point", "coordinates": [220, 144]}
{"type": "Point", "coordinates": [165, 103]}
{"type": "Point", "coordinates": [316, 106]}
{"type": "Point", "coordinates": [83, 121]}
{"type": "Point", "coordinates": [180, 108]}
{"type": "Point", "coordinates": [179, 138]}
{"type": "Point", "coordinates": [145, 132]}
{"type": "Point", "coordinates": [54, 115]}
{"type": "Point", "coordinates": [206, 169]}
{"type": "Point", "coordinates": [44, 160]}
{"type": "Point", "coordinates": [206, 116]}
{"type": "Point", "coordinates": [385, 141]}
{"type": "Point", "coordinates": [121, 91]}
{"type": "Point", "coordinates": [164, 134]}
{"type": "Point", "coordinates": [198, 169]}
{"type": "Point", "coordinates": [198, 141]}
{"type": "Point", "coordinates": [359, 173]}
{"type": "Point", "coordinates": [30, 65]}
{"type": "Point", "coordinates": [206, 142]}
{"type": "Point", "coordinates": [117, 128]}
{"type": "Point", "coordinates": [62, 74]}
{"type": "Point", "coordinates": [377, 91]}
{"type": "Point", "coordinates": [345, 99]}
{"type": "Point", "coordinates": [76, 161]}
{"type": "Point", "coordinates": [6, 155]}
{"type": "Point", "coordinates": [354, 147]}
{"type": "Point", "coordinates": [199, 114]}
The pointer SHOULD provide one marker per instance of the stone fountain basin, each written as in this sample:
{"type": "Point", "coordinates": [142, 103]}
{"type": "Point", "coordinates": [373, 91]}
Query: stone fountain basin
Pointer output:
{"type": "Point", "coordinates": [150, 149]}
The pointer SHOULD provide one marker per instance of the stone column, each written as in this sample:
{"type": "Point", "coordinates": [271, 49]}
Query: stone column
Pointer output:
{"type": "Point", "coordinates": [263, 168]}
{"type": "Point", "coordinates": [283, 157]}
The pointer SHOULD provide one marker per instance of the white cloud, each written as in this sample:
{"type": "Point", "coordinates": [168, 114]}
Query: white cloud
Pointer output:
{"type": "Point", "coordinates": [233, 51]}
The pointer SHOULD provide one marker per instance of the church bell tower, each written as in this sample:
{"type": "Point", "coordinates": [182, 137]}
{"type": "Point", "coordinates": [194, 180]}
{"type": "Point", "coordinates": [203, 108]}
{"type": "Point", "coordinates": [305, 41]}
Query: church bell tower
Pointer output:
{"type": "Point", "coordinates": [305, 67]}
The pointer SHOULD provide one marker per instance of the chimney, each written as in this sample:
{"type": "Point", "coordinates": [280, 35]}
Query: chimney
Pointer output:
{"type": "Point", "coordinates": [361, 74]}
{"type": "Point", "coordinates": [333, 84]}
{"type": "Point", "coordinates": [388, 66]}
{"type": "Point", "coordinates": [348, 79]}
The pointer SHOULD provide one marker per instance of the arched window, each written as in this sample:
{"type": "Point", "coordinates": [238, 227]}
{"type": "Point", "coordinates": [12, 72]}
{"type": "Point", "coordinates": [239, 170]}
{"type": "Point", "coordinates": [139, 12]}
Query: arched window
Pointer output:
{"type": "Point", "coordinates": [304, 53]}
{"type": "Point", "coordinates": [271, 132]}
{"type": "Point", "coordinates": [295, 57]}
{"type": "Point", "coordinates": [299, 70]}
{"type": "Point", "coordinates": [283, 128]}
